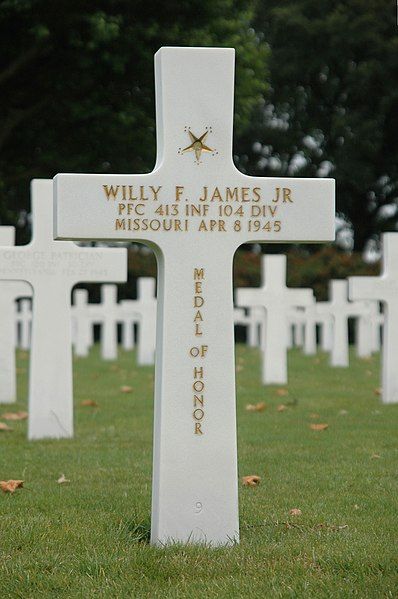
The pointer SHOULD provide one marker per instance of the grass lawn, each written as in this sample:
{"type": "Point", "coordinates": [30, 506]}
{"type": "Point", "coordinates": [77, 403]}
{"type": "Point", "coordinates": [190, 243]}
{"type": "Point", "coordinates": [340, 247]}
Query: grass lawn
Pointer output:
{"type": "Point", "coordinates": [89, 538]}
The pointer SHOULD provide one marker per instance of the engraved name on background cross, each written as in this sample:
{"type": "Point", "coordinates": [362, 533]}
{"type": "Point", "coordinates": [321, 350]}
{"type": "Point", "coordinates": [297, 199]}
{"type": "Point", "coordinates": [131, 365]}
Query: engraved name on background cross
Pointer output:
{"type": "Point", "coordinates": [194, 209]}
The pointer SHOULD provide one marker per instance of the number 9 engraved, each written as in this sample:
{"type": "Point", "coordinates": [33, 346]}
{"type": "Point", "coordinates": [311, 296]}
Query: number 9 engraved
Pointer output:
{"type": "Point", "coordinates": [198, 507]}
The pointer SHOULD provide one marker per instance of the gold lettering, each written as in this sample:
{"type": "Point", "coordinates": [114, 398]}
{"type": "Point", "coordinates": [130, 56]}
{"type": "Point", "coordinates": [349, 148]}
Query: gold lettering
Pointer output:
{"type": "Point", "coordinates": [198, 428]}
{"type": "Point", "coordinates": [111, 192]}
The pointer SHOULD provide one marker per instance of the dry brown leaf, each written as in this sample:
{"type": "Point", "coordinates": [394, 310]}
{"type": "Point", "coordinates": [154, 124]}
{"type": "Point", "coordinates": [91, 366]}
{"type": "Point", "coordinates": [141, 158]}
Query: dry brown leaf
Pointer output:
{"type": "Point", "coordinates": [4, 427]}
{"type": "Point", "coordinates": [318, 426]}
{"type": "Point", "coordinates": [9, 486]}
{"type": "Point", "coordinates": [281, 408]}
{"type": "Point", "coordinates": [295, 512]}
{"type": "Point", "coordinates": [375, 456]}
{"type": "Point", "coordinates": [62, 480]}
{"type": "Point", "coordinates": [314, 416]}
{"type": "Point", "coordinates": [126, 389]}
{"type": "Point", "coordinates": [378, 391]}
{"type": "Point", "coordinates": [15, 416]}
{"type": "Point", "coordinates": [251, 481]}
{"type": "Point", "coordinates": [257, 407]}
{"type": "Point", "coordinates": [282, 392]}
{"type": "Point", "coordinates": [90, 403]}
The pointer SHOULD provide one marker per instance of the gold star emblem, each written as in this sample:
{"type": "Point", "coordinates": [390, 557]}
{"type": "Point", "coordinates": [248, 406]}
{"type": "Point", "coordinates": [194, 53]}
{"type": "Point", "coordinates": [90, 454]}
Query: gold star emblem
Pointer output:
{"type": "Point", "coordinates": [197, 145]}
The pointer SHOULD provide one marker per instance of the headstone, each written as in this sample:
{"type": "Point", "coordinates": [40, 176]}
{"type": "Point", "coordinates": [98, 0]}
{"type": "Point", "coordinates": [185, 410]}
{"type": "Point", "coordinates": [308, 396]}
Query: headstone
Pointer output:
{"type": "Point", "coordinates": [313, 321]}
{"type": "Point", "coordinates": [194, 209]}
{"type": "Point", "coordinates": [377, 318]}
{"type": "Point", "coordinates": [256, 318]}
{"type": "Point", "coordinates": [277, 300]}
{"type": "Point", "coordinates": [145, 307]}
{"type": "Point", "coordinates": [109, 321]}
{"type": "Point", "coordinates": [53, 268]}
{"type": "Point", "coordinates": [24, 323]}
{"type": "Point", "coordinates": [340, 309]}
{"type": "Point", "coordinates": [363, 333]}
{"type": "Point", "coordinates": [384, 289]}
{"type": "Point", "coordinates": [10, 291]}
{"type": "Point", "coordinates": [83, 327]}
{"type": "Point", "coordinates": [128, 319]}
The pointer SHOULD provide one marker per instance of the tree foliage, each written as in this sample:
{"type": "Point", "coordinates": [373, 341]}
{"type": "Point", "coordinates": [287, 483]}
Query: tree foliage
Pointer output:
{"type": "Point", "coordinates": [77, 82]}
{"type": "Point", "coordinates": [333, 104]}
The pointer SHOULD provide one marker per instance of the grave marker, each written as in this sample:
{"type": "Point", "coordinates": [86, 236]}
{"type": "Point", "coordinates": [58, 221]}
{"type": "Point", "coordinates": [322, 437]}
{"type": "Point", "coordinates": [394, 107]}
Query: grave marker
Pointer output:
{"type": "Point", "coordinates": [277, 300]}
{"type": "Point", "coordinates": [83, 327]}
{"type": "Point", "coordinates": [195, 209]}
{"type": "Point", "coordinates": [53, 268]}
{"type": "Point", "coordinates": [340, 309]}
{"type": "Point", "coordinates": [24, 321]}
{"type": "Point", "coordinates": [10, 291]}
{"type": "Point", "coordinates": [384, 289]}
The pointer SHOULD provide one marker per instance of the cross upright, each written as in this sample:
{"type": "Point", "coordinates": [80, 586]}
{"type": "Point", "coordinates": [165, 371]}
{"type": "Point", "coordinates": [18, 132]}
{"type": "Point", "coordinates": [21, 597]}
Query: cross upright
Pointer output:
{"type": "Point", "coordinates": [144, 307]}
{"type": "Point", "coordinates": [24, 319]}
{"type": "Point", "coordinates": [277, 300]}
{"type": "Point", "coordinates": [384, 289]}
{"type": "Point", "coordinates": [110, 318]}
{"type": "Point", "coordinates": [340, 309]}
{"type": "Point", "coordinates": [53, 268]}
{"type": "Point", "coordinates": [83, 327]}
{"type": "Point", "coordinates": [10, 291]}
{"type": "Point", "coordinates": [194, 209]}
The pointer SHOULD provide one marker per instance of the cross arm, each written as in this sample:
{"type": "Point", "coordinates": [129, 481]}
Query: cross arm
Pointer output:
{"type": "Point", "coordinates": [365, 288]}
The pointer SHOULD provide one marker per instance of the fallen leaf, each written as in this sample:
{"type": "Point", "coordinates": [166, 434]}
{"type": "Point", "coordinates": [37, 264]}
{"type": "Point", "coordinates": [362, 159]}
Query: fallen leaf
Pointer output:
{"type": "Point", "coordinates": [126, 389]}
{"type": "Point", "coordinates": [9, 486]}
{"type": "Point", "coordinates": [295, 512]}
{"type": "Point", "coordinates": [281, 408]}
{"type": "Point", "coordinates": [282, 392]}
{"type": "Point", "coordinates": [257, 407]}
{"type": "Point", "coordinates": [89, 403]}
{"type": "Point", "coordinates": [314, 416]}
{"type": "Point", "coordinates": [251, 481]}
{"type": "Point", "coordinates": [63, 480]}
{"type": "Point", "coordinates": [375, 456]}
{"type": "Point", "coordinates": [378, 391]}
{"type": "Point", "coordinates": [4, 427]}
{"type": "Point", "coordinates": [15, 416]}
{"type": "Point", "coordinates": [318, 426]}
{"type": "Point", "coordinates": [343, 413]}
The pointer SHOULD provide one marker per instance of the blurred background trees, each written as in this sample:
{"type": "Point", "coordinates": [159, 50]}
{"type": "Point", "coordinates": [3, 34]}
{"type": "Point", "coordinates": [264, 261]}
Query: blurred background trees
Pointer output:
{"type": "Point", "coordinates": [316, 95]}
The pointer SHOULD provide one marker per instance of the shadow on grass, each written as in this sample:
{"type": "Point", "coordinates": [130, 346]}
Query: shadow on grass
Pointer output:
{"type": "Point", "coordinates": [136, 530]}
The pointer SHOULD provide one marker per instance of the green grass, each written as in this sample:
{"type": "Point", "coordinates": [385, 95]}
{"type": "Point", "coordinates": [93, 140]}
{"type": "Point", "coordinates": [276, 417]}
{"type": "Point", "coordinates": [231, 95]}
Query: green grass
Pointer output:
{"type": "Point", "coordinates": [90, 538]}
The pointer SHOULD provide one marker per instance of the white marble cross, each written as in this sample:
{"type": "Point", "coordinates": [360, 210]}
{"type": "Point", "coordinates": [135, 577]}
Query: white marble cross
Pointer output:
{"type": "Point", "coordinates": [128, 319]}
{"type": "Point", "coordinates": [24, 323]}
{"type": "Point", "coordinates": [110, 317]}
{"type": "Point", "coordinates": [340, 309]}
{"type": "Point", "coordinates": [195, 209]}
{"type": "Point", "coordinates": [53, 268]}
{"type": "Point", "coordinates": [83, 327]}
{"type": "Point", "coordinates": [384, 289]}
{"type": "Point", "coordinates": [143, 310]}
{"type": "Point", "coordinates": [312, 319]}
{"type": "Point", "coordinates": [10, 291]}
{"type": "Point", "coordinates": [277, 300]}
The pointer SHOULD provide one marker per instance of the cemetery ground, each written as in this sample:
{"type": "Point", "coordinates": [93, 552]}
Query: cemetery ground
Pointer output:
{"type": "Point", "coordinates": [89, 537]}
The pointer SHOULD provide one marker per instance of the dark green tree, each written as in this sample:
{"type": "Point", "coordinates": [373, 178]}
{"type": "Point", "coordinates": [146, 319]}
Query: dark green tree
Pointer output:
{"type": "Point", "coordinates": [77, 84]}
{"type": "Point", "coordinates": [333, 104]}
